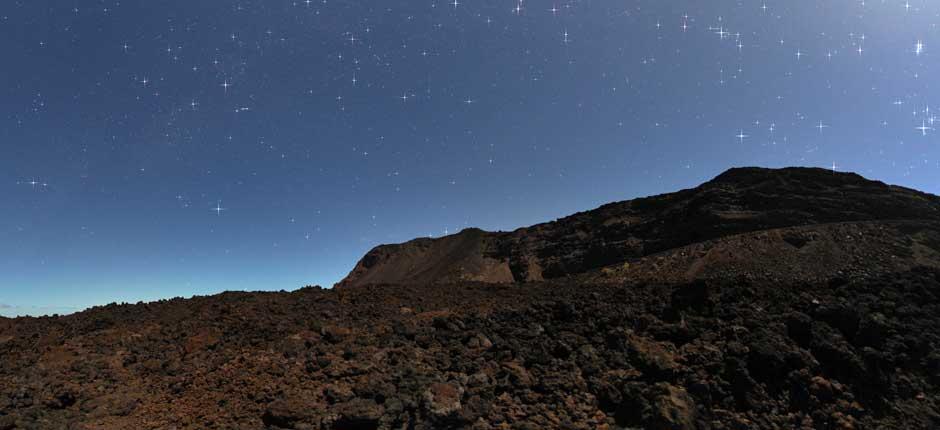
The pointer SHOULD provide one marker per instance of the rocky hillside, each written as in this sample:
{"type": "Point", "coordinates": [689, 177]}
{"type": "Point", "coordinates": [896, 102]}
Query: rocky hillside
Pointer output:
{"type": "Point", "coordinates": [718, 354]}
{"type": "Point", "coordinates": [764, 299]}
{"type": "Point", "coordinates": [737, 201]}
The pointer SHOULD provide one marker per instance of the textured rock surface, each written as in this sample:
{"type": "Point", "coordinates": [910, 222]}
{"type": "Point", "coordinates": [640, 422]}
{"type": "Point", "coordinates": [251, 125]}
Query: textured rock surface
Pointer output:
{"type": "Point", "coordinates": [706, 355]}
{"type": "Point", "coordinates": [796, 298]}
{"type": "Point", "coordinates": [737, 201]}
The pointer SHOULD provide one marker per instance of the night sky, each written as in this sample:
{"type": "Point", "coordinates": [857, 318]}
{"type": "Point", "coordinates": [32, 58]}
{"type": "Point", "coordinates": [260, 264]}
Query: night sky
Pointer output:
{"type": "Point", "coordinates": [152, 149]}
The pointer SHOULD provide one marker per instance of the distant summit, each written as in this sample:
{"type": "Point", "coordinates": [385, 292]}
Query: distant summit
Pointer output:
{"type": "Point", "coordinates": [763, 299]}
{"type": "Point", "coordinates": [801, 201]}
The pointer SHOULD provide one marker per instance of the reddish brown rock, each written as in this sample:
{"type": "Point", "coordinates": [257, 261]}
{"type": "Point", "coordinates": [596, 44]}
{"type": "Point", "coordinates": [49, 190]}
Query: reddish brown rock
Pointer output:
{"type": "Point", "coordinates": [443, 399]}
{"type": "Point", "coordinates": [786, 210]}
{"type": "Point", "coordinates": [763, 299]}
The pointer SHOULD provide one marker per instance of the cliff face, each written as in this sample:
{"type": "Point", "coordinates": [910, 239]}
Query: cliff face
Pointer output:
{"type": "Point", "coordinates": [471, 255]}
{"type": "Point", "coordinates": [738, 201]}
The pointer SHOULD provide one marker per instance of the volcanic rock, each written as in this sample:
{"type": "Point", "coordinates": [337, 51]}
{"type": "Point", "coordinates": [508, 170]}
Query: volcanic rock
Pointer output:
{"type": "Point", "coordinates": [795, 298]}
{"type": "Point", "coordinates": [794, 206]}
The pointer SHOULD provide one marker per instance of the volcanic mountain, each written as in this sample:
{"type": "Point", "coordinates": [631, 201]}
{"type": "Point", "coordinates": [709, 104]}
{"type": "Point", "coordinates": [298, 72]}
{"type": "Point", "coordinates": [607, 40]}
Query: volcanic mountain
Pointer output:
{"type": "Point", "coordinates": [744, 216]}
{"type": "Point", "coordinates": [792, 298]}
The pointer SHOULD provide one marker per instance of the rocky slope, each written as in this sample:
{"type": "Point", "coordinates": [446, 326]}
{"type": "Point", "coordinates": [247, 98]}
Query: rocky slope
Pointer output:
{"type": "Point", "coordinates": [737, 201]}
{"type": "Point", "coordinates": [763, 299]}
{"type": "Point", "coordinates": [707, 355]}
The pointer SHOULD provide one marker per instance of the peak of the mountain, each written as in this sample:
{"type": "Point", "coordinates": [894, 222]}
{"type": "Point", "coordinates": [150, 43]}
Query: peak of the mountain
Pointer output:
{"type": "Point", "coordinates": [788, 298]}
{"type": "Point", "coordinates": [751, 175]}
{"type": "Point", "coordinates": [740, 200]}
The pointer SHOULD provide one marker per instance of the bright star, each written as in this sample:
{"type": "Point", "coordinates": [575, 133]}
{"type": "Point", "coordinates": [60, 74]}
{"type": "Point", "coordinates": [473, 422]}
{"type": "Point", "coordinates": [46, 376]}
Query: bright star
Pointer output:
{"type": "Point", "coordinates": [218, 208]}
{"type": "Point", "coordinates": [923, 128]}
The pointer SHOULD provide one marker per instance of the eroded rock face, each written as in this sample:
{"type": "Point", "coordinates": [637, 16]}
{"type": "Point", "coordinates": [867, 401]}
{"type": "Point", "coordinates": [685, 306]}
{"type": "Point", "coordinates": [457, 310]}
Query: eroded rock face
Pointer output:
{"type": "Point", "coordinates": [737, 201]}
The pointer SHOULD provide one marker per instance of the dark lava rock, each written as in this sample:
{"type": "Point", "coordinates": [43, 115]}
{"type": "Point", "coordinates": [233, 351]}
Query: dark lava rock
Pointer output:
{"type": "Point", "coordinates": [359, 414]}
{"type": "Point", "coordinates": [737, 201]}
{"type": "Point", "coordinates": [511, 361]}
{"type": "Point", "coordinates": [287, 413]}
{"type": "Point", "coordinates": [577, 351]}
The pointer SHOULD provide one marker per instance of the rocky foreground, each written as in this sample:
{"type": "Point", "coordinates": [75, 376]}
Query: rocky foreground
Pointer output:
{"type": "Point", "coordinates": [708, 355]}
{"type": "Point", "coordinates": [764, 299]}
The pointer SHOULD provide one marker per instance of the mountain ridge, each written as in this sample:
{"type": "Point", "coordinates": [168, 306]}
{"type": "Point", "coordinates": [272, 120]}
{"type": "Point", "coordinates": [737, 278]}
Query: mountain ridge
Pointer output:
{"type": "Point", "coordinates": [794, 298]}
{"type": "Point", "coordinates": [736, 201]}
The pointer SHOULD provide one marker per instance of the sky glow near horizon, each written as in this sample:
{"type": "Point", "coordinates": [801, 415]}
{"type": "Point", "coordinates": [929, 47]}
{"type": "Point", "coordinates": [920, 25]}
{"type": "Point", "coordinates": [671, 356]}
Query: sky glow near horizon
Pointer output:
{"type": "Point", "coordinates": [151, 150]}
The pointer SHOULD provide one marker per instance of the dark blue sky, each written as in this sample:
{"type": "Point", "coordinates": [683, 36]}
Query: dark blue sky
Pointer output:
{"type": "Point", "coordinates": [158, 149]}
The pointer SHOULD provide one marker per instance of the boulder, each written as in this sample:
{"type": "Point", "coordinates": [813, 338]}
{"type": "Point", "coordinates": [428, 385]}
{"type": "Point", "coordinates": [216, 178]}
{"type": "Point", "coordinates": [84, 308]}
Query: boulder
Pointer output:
{"type": "Point", "coordinates": [443, 399]}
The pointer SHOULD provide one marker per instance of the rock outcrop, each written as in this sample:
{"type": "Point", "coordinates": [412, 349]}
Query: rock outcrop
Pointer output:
{"type": "Point", "coordinates": [738, 201]}
{"type": "Point", "coordinates": [764, 299]}
{"type": "Point", "coordinates": [715, 354]}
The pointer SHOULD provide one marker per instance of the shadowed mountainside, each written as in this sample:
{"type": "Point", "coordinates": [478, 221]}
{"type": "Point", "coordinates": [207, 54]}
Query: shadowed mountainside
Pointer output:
{"type": "Point", "coordinates": [738, 201]}
{"type": "Point", "coordinates": [794, 298]}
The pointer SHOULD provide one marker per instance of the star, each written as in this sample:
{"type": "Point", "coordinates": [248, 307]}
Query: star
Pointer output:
{"type": "Point", "coordinates": [218, 209]}
{"type": "Point", "coordinates": [631, 80]}
{"type": "Point", "coordinates": [720, 31]}
{"type": "Point", "coordinates": [923, 128]}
